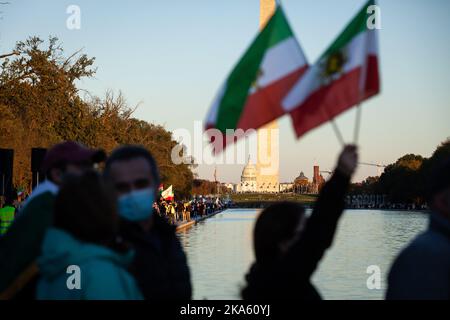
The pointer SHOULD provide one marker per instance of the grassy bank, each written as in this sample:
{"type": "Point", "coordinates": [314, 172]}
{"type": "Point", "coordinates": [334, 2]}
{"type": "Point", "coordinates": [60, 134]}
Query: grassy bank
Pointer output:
{"type": "Point", "coordinates": [246, 198]}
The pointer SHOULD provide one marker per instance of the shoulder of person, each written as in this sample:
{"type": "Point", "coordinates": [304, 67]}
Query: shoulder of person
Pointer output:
{"type": "Point", "coordinates": [429, 249]}
{"type": "Point", "coordinates": [431, 243]}
{"type": "Point", "coordinates": [104, 279]}
{"type": "Point", "coordinates": [43, 200]}
{"type": "Point", "coordinates": [162, 225]}
{"type": "Point", "coordinates": [34, 218]}
{"type": "Point", "coordinates": [421, 271]}
{"type": "Point", "coordinates": [39, 207]}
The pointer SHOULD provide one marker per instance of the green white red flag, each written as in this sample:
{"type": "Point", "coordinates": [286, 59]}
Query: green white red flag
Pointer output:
{"type": "Point", "coordinates": [252, 94]}
{"type": "Point", "coordinates": [168, 194]}
{"type": "Point", "coordinates": [346, 74]}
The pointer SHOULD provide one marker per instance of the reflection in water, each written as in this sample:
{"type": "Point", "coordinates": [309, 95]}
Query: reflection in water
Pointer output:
{"type": "Point", "coordinates": [220, 252]}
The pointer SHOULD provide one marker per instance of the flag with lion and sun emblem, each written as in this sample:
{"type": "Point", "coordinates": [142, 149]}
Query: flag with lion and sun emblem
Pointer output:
{"type": "Point", "coordinates": [345, 75]}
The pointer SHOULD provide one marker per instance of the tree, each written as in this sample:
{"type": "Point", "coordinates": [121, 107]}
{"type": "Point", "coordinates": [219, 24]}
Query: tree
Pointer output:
{"type": "Point", "coordinates": [441, 154]}
{"type": "Point", "coordinates": [406, 179]}
{"type": "Point", "coordinates": [368, 186]}
{"type": "Point", "coordinates": [401, 181]}
{"type": "Point", "coordinates": [41, 105]}
{"type": "Point", "coordinates": [206, 187]}
{"type": "Point", "coordinates": [39, 97]}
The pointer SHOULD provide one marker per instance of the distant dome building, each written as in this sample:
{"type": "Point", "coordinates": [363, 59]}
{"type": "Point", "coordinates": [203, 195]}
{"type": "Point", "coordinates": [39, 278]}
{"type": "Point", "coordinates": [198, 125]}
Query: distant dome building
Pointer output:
{"type": "Point", "coordinates": [301, 184]}
{"type": "Point", "coordinates": [301, 179]}
{"type": "Point", "coordinates": [248, 178]}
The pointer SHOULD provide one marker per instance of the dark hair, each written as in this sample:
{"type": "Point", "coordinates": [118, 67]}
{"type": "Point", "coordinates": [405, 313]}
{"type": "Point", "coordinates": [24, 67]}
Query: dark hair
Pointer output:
{"type": "Point", "coordinates": [274, 225]}
{"type": "Point", "coordinates": [439, 179]}
{"type": "Point", "coordinates": [86, 208]}
{"type": "Point", "coordinates": [129, 152]}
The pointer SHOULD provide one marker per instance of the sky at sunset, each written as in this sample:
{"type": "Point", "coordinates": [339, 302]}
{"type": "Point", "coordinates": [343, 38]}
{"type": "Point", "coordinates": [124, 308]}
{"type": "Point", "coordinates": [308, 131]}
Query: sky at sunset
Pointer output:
{"type": "Point", "coordinates": [170, 57]}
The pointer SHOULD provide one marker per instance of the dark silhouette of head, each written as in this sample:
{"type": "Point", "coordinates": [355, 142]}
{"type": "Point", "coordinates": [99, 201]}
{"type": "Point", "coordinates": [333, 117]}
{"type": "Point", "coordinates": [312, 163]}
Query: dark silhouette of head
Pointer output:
{"type": "Point", "coordinates": [275, 229]}
{"type": "Point", "coordinates": [86, 208]}
{"type": "Point", "coordinates": [70, 157]}
{"type": "Point", "coordinates": [438, 193]}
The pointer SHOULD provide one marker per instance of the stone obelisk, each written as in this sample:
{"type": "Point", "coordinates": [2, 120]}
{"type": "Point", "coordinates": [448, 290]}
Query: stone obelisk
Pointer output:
{"type": "Point", "coordinates": [267, 163]}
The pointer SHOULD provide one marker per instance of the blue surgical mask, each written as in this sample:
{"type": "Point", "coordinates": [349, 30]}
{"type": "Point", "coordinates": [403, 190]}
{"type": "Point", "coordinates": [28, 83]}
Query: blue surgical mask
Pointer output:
{"type": "Point", "coordinates": [137, 205]}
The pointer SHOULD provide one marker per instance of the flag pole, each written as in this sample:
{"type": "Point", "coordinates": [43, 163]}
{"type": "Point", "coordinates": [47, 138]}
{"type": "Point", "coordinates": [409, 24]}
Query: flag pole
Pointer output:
{"type": "Point", "coordinates": [357, 123]}
{"type": "Point", "coordinates": [362, 81]}
{"type": "Point", "coordinates": [337, 132]}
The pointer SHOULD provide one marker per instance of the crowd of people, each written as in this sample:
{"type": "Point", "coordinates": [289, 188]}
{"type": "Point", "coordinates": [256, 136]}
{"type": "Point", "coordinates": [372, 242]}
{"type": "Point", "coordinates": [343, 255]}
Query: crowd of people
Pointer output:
{"type": "Point", "coordinates": [177, 212]}
{"type": "Point", "coordinates": [113, 227]}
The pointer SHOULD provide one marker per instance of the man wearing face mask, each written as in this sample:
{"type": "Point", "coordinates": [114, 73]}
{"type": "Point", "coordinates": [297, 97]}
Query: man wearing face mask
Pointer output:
{"type": "Point", "coordinates": [422, 270]}
{"type": "Point", "coordinates": [160, 265]}
{"type": "Point", "coordinates": [21, 246]}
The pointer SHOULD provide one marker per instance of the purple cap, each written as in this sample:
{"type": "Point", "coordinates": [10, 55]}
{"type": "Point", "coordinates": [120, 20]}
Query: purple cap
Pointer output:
{"type": "Point", "coordinates": [71, 152]}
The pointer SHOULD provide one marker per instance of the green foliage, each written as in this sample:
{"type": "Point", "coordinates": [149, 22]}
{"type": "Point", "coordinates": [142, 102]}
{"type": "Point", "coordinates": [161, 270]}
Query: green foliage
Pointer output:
{"type": "Point", "coordinates": [40, 105]}
{"type": "Point", "coordinates": [205, 187]}
{"type": "Point", "coordinates": [406, 179]}
{"type": "Point", "coordinates": [368, 186]}
{"type": "Point", "coordinates": [401, 182]}
{"type": "Point", "coordinates": [273, 197]}
{"type": "Point", "coordinates": [441, 154]}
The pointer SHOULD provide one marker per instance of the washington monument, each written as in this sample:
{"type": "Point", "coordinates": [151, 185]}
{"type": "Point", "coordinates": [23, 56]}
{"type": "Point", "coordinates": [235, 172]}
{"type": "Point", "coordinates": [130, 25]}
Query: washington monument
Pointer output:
{"type": "Point", "coordinates": [267, 163]}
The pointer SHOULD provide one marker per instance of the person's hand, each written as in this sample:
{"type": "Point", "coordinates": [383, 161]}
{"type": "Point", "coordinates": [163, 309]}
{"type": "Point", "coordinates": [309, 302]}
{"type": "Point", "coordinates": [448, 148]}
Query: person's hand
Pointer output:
{"type": "Point", "coordinates": [348, 160]}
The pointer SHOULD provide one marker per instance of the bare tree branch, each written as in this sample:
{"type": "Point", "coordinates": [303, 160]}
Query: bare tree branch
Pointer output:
{"type": "Point", "coordinates": [14, 53]}
{"type": "Point", "coordinates": [73, 55]}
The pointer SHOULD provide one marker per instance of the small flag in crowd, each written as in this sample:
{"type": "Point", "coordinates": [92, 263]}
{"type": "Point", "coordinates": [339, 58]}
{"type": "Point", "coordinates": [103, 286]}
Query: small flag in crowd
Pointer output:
{"type": "Point", "coordinates": [168, 194]}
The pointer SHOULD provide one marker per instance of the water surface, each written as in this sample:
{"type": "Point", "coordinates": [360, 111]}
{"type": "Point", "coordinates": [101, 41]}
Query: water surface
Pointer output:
{"type": "Point", "coordinates": [219, 252]}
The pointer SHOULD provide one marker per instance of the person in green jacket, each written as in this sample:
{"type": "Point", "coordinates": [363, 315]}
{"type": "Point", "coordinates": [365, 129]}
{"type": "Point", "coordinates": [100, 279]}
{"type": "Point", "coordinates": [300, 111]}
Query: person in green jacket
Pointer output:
{"type": "Point", "coordinates": [7, 214]}
{"type": "Point", "coordinates": [81, 258]}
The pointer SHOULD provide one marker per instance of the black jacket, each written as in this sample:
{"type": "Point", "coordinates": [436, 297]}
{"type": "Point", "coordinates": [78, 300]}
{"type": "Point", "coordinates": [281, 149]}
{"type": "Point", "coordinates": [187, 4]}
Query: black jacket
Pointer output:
{"type": "Point", "coordinates": [290, 277]}
{"type": "Point", "coordinates": [160, 266]}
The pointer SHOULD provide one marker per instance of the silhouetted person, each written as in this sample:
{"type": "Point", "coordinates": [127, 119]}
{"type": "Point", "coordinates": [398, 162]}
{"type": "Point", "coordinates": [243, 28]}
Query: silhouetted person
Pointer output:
{"type": "Point", "coordinates": [422, 270]}
{"type": "Point", "coordinates": [288, 246]}
{"type": "Point", "coordinates": [160, 265]}
{"type": "Point", "coordinates": [85, 235]}
{"type": "Point", "coordinates": [202, 208]}
{"type": "Point", "coordinates": [20, 247]}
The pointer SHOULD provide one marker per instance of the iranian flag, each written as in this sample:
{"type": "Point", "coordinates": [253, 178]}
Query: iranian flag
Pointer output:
{"type": "Point", "coordinates": [346, 74]}
{"type": "Point", "coordinates": [168, 194]}
{"type": "Point", "coordinates": [251, 96]}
